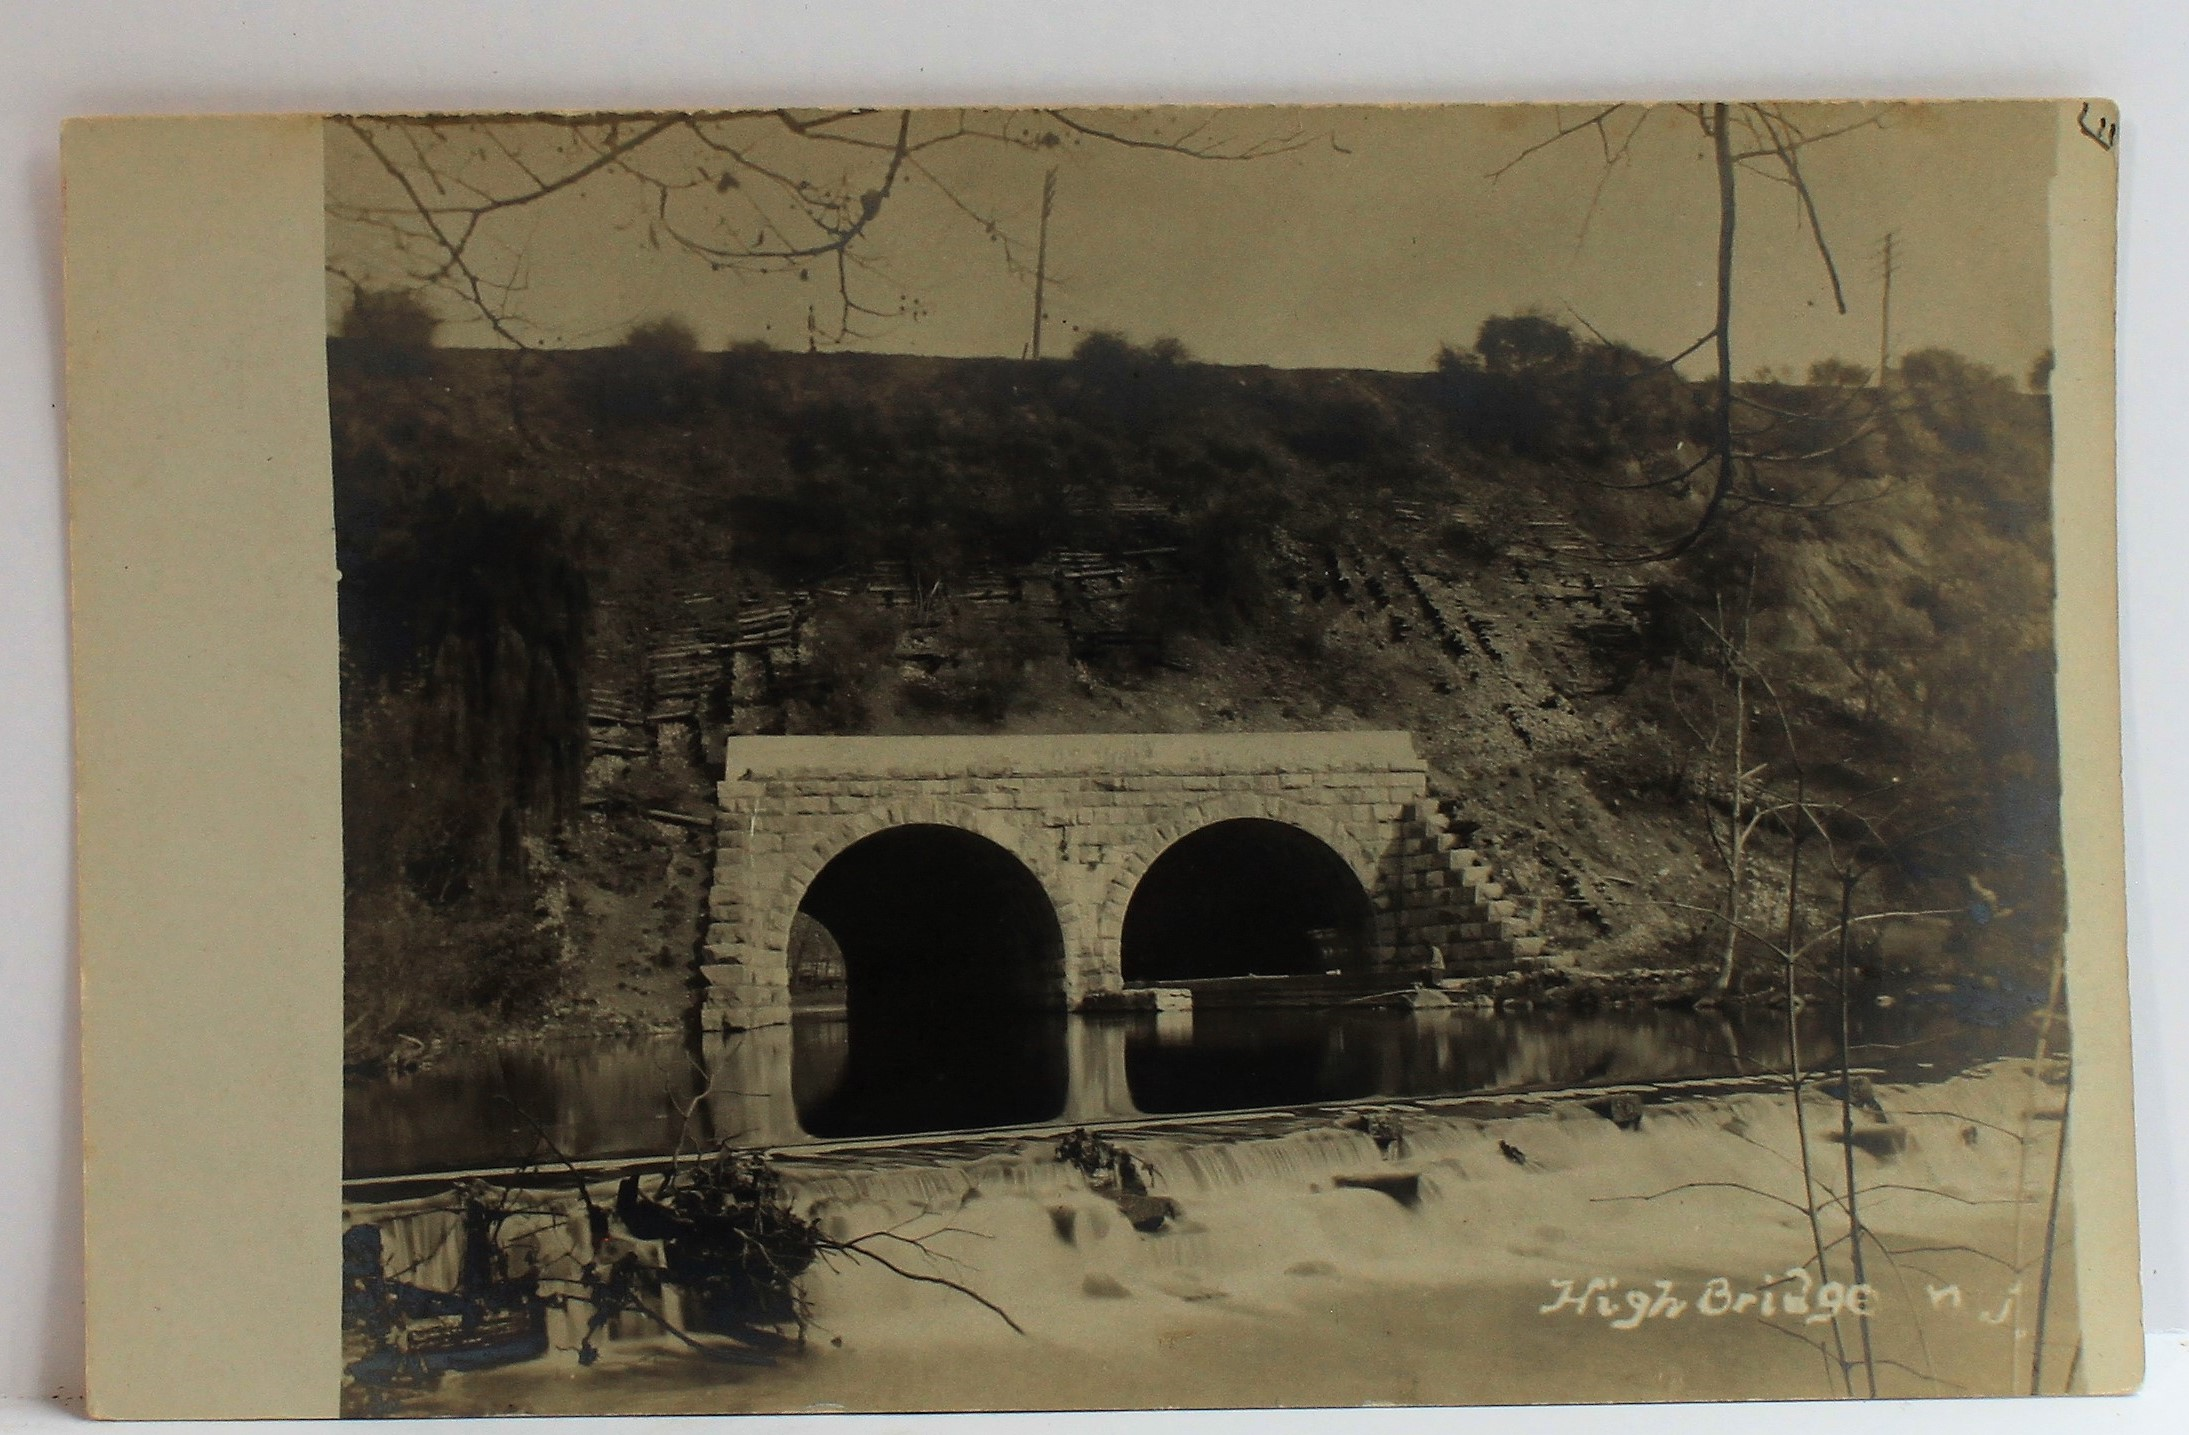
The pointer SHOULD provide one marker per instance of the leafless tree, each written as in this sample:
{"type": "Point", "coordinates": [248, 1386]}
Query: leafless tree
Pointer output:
{"type": "Point", "coordinates": [1856, 839]}
{"type": "Point", "coordinates": [1751, 441]}
{"type": "Point", "coordinates": [1732, 777]}
{"type": "Point", "coordinates": [753, 192]}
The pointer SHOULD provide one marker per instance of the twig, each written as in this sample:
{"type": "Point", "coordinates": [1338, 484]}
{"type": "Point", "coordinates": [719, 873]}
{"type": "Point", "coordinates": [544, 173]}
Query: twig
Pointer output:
{"type": "Point", "coordinates": [853, 1247]}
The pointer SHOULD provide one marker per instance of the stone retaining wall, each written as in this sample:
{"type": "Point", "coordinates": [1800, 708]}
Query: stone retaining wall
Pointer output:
{"type": "Point", "coordinates": [1087, 815]}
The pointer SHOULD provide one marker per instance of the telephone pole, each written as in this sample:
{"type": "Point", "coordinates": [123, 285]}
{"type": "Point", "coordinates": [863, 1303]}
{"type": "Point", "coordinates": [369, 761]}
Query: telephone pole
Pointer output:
{"type": "Point", "coordinates": [1885, 312]}
{"type": "Point", "coordinates": [1041, 258]}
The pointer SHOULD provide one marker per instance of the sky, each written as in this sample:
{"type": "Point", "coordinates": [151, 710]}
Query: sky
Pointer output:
{"type": "Point", "coordinates": [1360, 237]}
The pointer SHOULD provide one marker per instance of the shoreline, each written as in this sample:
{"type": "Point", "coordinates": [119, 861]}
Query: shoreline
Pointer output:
{"type": "Point", "coordinates": [1552, 988]}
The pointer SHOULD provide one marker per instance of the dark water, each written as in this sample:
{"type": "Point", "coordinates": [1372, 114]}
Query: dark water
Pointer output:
{"type": "Point", "coordinates": [826, 1077]}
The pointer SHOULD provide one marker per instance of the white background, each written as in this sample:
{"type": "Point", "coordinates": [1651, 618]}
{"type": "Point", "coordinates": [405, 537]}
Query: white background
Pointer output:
{"type": "Point", "coordinates": [106, 56]}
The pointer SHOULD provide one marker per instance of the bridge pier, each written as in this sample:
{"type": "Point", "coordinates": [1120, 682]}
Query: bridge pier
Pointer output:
{"type": "Point", "coordinates": [1095, 1052]}
{"type": "Point", "coordinates": [749, 1096]}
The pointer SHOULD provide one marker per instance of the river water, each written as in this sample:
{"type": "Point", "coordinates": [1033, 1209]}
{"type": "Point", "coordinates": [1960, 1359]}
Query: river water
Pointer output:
{"type": "Point", "coordinates": [1279, 1277]}
{"type": "Point", "coordinates": [824, 1078]}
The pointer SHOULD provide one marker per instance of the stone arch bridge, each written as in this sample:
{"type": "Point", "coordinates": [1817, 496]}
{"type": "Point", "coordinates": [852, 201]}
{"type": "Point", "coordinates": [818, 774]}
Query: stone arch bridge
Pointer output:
{"type": "Point", "coordinates": [1068, 870]}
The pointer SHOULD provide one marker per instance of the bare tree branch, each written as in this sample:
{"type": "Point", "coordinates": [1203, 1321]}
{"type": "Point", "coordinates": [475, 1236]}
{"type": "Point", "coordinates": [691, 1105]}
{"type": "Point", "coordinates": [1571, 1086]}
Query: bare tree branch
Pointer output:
{"type": "Point", "coordinates": [743, 191]}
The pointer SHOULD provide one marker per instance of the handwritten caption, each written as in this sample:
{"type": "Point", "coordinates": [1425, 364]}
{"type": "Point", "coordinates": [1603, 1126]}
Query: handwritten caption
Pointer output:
{"type": "Point", "coordinates": [1796, 1294]}
{"type": "Point", "coordinates": [2099, 126]}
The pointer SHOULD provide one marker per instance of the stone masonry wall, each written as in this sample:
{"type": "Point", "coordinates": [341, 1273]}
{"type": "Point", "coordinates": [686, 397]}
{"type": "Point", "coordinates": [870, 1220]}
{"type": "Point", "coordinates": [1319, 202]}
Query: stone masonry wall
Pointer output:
{"type": "Point", "coordinates": [1087, 815]}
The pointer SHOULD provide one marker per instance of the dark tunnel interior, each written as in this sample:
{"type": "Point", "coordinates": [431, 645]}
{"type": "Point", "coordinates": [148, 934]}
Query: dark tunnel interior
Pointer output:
{"type": "Point", "coordinates": [952, 963]}
{"type": "Point", "coordinates": [1249, 896]}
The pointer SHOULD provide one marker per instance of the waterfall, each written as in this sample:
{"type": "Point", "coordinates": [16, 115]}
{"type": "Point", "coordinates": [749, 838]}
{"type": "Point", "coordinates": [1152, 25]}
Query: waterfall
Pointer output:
{"type": "Point", "coordinates": [1503, 1196]}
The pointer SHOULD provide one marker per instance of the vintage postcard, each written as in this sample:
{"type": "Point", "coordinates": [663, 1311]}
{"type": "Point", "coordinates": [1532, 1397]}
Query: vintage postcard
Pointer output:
{"type": "Point", "coordinates": [936, 760]}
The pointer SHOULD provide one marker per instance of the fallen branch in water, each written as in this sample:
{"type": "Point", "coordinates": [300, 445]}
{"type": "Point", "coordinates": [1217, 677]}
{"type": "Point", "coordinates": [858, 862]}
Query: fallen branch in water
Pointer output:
{"type": "Point", "coordinates": [853, 1248]}
{"type": "Point", "coordinates": [1707, 1186]}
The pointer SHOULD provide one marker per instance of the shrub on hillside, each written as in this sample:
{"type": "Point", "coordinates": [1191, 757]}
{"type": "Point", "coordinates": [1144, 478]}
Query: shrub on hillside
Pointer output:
{"type": "Point", "coordinates": [656, 374]}
{"type": "Point", "coordinates": [387, 332]}
{"type": "Point", "coordinates": [985, 672]}
{"type": "Point", "coordinates": [847, 670]}
{"type": "Point", "coordinates": [415, 970]}
{"type": "Point", "coordinates": [1531, 388]}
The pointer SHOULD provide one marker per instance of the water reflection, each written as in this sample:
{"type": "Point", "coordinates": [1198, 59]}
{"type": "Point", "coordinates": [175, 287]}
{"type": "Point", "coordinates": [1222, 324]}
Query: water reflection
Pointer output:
{"type": "Point", "coordinates": [502, 1107]}
{"type": "Point", "coordinates": [1289, 1057]}
{"type": "Point", "coordinates": [828, 1076]}
{"type": "Point", "coordinates": [865, 1075]}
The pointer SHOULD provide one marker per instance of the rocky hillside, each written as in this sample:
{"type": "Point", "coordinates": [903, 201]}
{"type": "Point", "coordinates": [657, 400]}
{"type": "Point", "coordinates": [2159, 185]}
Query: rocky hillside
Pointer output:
{"type": "Point", "coordinates": [567, 577]}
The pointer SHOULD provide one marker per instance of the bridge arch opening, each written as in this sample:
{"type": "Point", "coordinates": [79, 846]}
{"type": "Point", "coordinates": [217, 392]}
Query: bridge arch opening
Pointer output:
{"type": "Point", "coordinates": [1251, 896]}
{"type": "Point", "coordinates": [951, 989]}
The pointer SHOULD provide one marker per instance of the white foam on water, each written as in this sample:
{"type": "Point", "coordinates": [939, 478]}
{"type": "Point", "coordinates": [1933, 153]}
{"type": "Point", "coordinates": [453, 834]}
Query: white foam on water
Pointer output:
{"type": "Point", "coordinates": [1265, 1231]}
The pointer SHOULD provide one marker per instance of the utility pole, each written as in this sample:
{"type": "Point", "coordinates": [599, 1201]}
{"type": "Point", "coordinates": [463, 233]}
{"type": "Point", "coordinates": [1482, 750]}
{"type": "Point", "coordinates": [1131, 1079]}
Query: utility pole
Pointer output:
{"type": "Point", "coordinates": [1885, 313]}
{"type": "Point", "coordinates": [1041, 258]}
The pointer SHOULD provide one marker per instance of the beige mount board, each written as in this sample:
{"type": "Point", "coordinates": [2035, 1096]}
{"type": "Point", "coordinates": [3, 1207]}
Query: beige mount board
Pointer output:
{"type": "Point", "coordinates": [211, 877]}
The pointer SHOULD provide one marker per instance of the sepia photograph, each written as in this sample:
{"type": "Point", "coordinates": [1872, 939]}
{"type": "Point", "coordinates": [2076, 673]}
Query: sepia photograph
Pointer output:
{"type": "Point", "coordinates": [1098, 758]}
